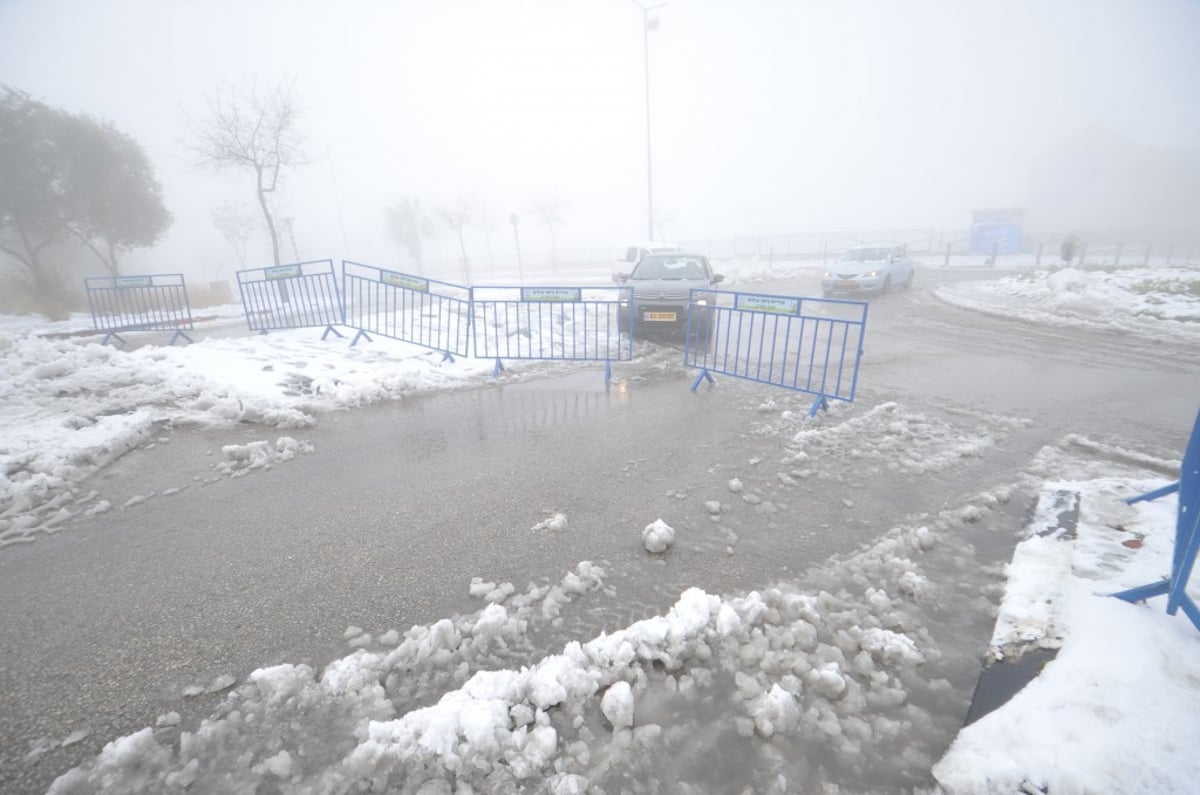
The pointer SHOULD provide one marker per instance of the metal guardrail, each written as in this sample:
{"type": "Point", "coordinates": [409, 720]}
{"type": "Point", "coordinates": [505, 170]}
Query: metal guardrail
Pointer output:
{"type": "Point", "coordinates": [139, 303]}
{"type": "Point", "coordinates": [413, 309]}
{"type": "Point", "coordinates": [557, 323]}
{"type": "Point", "coordinates": [811, 345]}
{"type": "Point", "coordinates": [293, 296]}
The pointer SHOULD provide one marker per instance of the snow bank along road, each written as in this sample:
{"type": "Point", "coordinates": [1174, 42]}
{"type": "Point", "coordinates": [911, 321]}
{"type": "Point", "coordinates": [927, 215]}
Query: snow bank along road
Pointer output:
{"type": "Point", "coordinates": [483, 504]}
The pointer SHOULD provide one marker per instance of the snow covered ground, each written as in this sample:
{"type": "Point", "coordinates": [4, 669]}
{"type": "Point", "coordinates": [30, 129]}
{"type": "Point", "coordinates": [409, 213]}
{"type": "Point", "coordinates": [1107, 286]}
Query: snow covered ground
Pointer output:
{"type": "Point", "coordinates": [799, 682]}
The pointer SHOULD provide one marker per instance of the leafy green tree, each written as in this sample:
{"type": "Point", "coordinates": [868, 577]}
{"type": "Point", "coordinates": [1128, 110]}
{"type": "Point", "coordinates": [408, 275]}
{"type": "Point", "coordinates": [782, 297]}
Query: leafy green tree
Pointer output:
{"type": "Point", "coordinates": [65, 177]}
{"type": "Point", "coordinates": [120, 204]}
{"type": "Point", "coordinates": [408, 225]}
{"type": "Point", "coordinates": [458, 216]}
{"type": "Point", "coordinates": [34, 187]}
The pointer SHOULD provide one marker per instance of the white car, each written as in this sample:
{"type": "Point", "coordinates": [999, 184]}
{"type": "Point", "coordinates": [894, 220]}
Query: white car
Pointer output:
{"type": "Point", "coordinates": [628, 257]}
{"type": "Point", "coordinates": [868, 270]}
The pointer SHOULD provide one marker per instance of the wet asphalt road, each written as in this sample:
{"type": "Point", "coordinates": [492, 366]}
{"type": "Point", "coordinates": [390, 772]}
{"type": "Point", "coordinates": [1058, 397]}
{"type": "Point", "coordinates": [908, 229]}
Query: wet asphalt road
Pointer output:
{"type": "Point", "coordinates": [105, 623]}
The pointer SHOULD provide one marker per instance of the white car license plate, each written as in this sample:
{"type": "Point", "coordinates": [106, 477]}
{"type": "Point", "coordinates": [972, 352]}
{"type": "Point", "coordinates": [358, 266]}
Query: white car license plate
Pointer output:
{"type": "Point", "coordinates": [846, 283]}
{"type": "Point", "coordinates": [661, 317]}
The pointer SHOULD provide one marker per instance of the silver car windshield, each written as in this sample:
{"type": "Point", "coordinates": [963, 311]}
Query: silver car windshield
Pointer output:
{"type": "Point", "coordinates": [667, 267]}
{"type": "Point", "coordinates": [865, 255]}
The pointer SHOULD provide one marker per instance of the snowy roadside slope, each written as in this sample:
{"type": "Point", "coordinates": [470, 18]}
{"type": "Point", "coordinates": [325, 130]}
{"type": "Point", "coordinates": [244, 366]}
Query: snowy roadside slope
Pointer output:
{"type": "Point", "coordinates": [1115, 710]}
{"type": "Point", "coordinates": [1152, 302]}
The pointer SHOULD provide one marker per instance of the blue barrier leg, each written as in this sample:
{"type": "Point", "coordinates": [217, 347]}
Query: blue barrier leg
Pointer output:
{"type": "Point", "coordinates": [608, 371]}
{"type": "Point", "coordinates": [335, 331]}
{"type": "Point", "coordinates": [360, 335]}
{"type": "Point", "coordinates": [1190, 541]}
{"type": "Point", "coordinates": [703, 374]}
{"type": "Point", "coordinates": [1143, 592]}
{"type": "Point", "coordinates": [1154, 495]}
{"type": "Point", "coordinates": [1187, 536]}
{"type": "Point", "coordinates": [112, 334]}
{"type": "Point", "coordinates": [179, 334]}
{"type": "Point", "coordinates": [262, 333]}
{"type": "Point", "coordinates": [496, 370]}
{"type": "Point", "coordinates": [820, 404]}
{"type": "Point", "coordinates": [446, 357]}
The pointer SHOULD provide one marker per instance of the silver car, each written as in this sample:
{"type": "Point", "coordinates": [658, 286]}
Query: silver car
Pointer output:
{"type": "Point", "coordinates": [868, 270]}
{"type": "Point", "coordinates": [662, 285]}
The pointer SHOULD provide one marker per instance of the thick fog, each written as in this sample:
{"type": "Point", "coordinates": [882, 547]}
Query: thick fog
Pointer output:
{"type": "Point", "coordinates": [766, 117]}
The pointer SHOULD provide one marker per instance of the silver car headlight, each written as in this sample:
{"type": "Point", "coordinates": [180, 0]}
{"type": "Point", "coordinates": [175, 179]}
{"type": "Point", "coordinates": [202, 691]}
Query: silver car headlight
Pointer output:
{"type": "Point", "coordinates": [701, 302]}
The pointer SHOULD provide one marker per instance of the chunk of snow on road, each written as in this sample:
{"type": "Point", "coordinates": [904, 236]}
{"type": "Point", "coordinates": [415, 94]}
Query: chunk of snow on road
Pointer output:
{"type": "Point", "coordinates": [617, 705]}
{"type": "Point", "coordinates": [557, 523]}
{"type": "Point", "coordinates": [658, 536]}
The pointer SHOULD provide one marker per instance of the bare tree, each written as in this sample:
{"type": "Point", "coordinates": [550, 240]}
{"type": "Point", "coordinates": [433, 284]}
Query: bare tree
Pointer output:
{"type": "Point", "coordinates": [550, 212]}
{"type": "Point", "coordinates": [236, 225]}
{"type": "Point", "coordinates": [457, 217]}
{"type": "Point", "coordinates": [252, 129]}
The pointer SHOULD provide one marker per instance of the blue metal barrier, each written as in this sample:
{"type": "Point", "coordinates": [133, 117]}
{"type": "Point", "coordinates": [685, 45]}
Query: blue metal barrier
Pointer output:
{"type": "Point", "coordinates": [409, 308]}
{"type": "Point", "coordinates": [811, 345]}
{"type": "Point", "coordinates": [1187, 536]}
{"type": "Point", "coordinates": [139, 303]}
{"type": "Point", "coordinates": [299, 295]}
{"type": "Point", "coordinates": [563, 323]}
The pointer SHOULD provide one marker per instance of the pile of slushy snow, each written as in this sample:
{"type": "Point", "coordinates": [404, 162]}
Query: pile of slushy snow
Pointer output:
{"type": "Point", "coordinates": [845, 678]}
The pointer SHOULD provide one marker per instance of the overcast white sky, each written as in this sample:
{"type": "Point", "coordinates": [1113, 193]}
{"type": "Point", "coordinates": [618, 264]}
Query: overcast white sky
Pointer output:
{"type": "Point", "coordinates": [768, 117]}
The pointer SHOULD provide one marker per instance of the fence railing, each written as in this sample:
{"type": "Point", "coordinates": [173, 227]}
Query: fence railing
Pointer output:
{"type": "Point", "coordinates": [413, 309]}
{"type": "Point", "coordinates": [139, 303]}
{"type": "Point", "coordinates": [811, 345]}
{"type": "Point", "coordinates": [297, 295]}
{"type": "Point", "coordinates": [563, 323]}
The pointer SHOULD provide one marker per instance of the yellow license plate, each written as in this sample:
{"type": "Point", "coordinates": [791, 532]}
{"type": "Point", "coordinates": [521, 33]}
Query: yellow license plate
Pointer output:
{"type": "Point", "coordinates": [668, 317]}
{"type": "Point", "coordinates": [846, 283]}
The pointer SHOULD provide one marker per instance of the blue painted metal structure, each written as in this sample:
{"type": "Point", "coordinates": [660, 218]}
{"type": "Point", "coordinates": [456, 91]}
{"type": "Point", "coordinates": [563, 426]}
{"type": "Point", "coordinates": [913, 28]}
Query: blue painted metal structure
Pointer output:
{"type": "Point", "coordinates": [1187, 536]}
{"type": "Point", "coordinates": [560, 323]}
{"type": "Point", "coordinates": [297, 295]}
{"type": "Point", "coordinates": [405, 307]}
{"type": "Point", "coordinates": [811, 345]}
{"type": "Point", "coordinates": [139, 303]}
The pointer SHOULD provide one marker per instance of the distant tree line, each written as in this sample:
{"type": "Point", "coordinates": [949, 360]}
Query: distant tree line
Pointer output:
{"type": "Point", "coordinates": [70, 180]}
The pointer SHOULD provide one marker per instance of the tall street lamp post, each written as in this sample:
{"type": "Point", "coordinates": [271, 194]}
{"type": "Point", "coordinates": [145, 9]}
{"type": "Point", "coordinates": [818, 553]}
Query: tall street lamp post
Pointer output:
{"type": "Point", "coordinates": [648, 25]}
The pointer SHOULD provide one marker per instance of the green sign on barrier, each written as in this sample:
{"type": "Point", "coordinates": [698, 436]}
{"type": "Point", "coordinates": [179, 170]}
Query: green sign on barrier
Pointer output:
{"type": "Point", "coordinates": [401, 280]}
{"type": "Point", "coordinates": [283, 272]}
{"type": "Point", "coordinates": [552, 294]}
{"type": "Point", "coordinates": [759, 303]}
{"type": "Point", "coordinates": [135, 281]}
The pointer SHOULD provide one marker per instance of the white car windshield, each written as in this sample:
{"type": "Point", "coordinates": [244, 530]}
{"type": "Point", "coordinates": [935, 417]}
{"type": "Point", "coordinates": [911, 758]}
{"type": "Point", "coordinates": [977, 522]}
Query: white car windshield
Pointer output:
{"type": "Point", "coordinates": [865, 255]}
{"type": "Point", "coordinates": [668, 267]}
